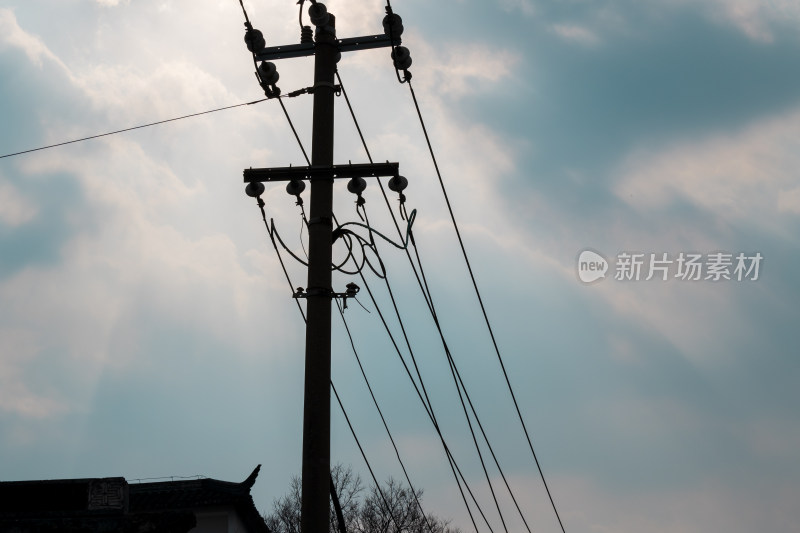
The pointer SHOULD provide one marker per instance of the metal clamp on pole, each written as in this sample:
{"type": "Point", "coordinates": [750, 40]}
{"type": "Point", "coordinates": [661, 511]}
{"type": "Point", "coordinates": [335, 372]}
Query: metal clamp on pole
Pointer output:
{"type": "Point", "coordinates": [313, 292]}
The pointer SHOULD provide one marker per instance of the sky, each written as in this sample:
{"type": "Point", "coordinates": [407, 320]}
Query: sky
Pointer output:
{"type": "Point", "coordinates": [147, 329]}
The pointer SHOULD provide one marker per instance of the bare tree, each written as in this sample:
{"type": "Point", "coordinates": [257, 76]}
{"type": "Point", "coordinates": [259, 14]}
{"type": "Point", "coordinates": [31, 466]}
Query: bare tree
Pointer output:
{"type": "Point", "coordinates": [394, 508]}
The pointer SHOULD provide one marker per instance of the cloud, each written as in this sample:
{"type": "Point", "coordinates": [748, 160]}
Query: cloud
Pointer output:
{"type": "Point", "coordinates": [707, 506]}
{"type": "Point", "coordinates": [526, 7]}
{"type": "Point", "coordinates": [15, 209]}
{"type": "Point", "coordinates": [759, 20]}
{"type": "Point", "coordinates": [457, 69]}
{"type": "Point", "coordinates": [130, 258]}
{"type": "Point", "coordinates": [743, 178]}
{"type": "Point", "coordinates": [789, 201]}
{"type": "Point", "coordinates": [14, 36]}
{"type": "Point", "coordinates": [575, 33]}
{"type": "Point", "coordinates": [18, 347]}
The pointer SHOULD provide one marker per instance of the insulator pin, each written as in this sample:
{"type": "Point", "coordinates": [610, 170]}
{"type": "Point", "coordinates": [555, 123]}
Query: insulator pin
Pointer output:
{"type": "Point", "coordinates": [401, 57]}
{"type": "Point", "coordinates": [318, 14]}
{"type": "Point", "coordinates": [268, 72]}
{"type": "Point", "coordinates": [254, 40]}
{"type": "Point", "coordinates": [356, 185]}
{"type": "Point", "coordinates": [393, 25]}
{"type": "Point", "coordinates": [295, 187]}
{"type": "Point", "coordinates": [398, 184]}
{"type": "Point", "coordinates": [306, 35]}
{"type": "Point", "coordinates": [254, 189]}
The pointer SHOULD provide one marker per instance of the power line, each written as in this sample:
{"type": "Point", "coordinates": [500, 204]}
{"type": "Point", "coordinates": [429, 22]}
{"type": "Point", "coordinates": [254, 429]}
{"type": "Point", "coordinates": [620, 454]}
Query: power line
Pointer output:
{"type": "Point", "coordinates": [480, 301]}
{"type": "Point", "coordinates": [459, 382]}
{"type": "Point", "coordinates": [260, 203]}
{"type": "Point", "coordinates": [458, 390]}
{"type": "Point", "coordinates": [428, 407]}
{"type": "Point", "coordinates": [246, 18]}
{"type": "Point", "coordinates": [133, 128]}
{"type": "Point", "coordinates": [364, 456]}
{"type": "Point", "coordinates": [297, 137]}
{"type": "Point", "coordinates": [272, 233]}
{"type": "Point", "coordinates": [429, 300]}
{"type": "Point", "coordinates": [383, 419]}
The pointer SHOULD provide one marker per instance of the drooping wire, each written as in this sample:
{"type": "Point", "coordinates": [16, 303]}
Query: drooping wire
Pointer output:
{"type": "Point", "coordinates": [404, 242]}
{"type": "Point", "coordinates": [428, 298]}
{"type": "Point", "coordinates": [363, 244]}
{"type": "Point", "coordinates": [480, 301]}
{"type": "Point", "coordinates": [131, 129]}
{"type": "Point", "coordinates": [380, 183]}
{"type": "Point", "coordinates": [278, 253]}
{"type": "Point", "coordinates": [303, 225]}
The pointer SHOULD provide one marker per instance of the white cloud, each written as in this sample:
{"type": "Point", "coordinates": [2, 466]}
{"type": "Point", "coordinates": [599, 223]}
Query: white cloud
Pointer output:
{"type": "Point", "coordinates": [18, 347]}
{"type": "Point", "coordinates": [15, 209]}
{"type": "Point", "coordinates": [757, 19]}
{"type": "Point", "coordinates": [144, 261]}
{"type": "Point", "coordinates": [355, 17]}
{"type": "Point", "coordinates": [526, 7]}
{"type": "Point", "coordinates": [456, 69]}
{"type": "Point", "coordinates": [15, 36]}
{"type": "Point", "coordinates": [173, 87]}
{"type": "Point", "coordinates": [576, 33]}
{"type": "Point", "coordinates": [747, 177]}
{"type": "Point", "coordinates": [789, 201]}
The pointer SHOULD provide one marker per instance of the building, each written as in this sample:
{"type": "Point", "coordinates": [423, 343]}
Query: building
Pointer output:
{"type": "Point", "coordinates": [112, 505]}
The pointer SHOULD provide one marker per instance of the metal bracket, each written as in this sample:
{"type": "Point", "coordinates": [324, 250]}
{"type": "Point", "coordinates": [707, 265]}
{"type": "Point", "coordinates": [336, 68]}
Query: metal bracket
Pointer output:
{"type": "Point", "coordinates": [312, 292]}
{"type": "Point", "coordinates": [350, 44]}
{"type": "Point", "coordinates": [361, 170]}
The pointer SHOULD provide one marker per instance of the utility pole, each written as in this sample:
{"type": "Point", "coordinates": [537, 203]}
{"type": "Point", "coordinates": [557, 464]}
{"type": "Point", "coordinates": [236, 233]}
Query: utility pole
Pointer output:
{"type": "Point", "coordinates": [326, 48]}
{"type": "Point", "coordinates": [317, 399]}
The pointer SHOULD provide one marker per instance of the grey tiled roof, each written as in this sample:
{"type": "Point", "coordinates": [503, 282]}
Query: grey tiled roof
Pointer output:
{"type": "Point", "coordinates": [113, 505]}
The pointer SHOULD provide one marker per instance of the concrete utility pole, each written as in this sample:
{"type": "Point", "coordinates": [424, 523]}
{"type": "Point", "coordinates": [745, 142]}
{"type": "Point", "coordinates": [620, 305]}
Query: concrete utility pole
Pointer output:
{"type": "Point", "coordinates": [317, 402]}
{"type": "Point", "coordinates": [316, 483]}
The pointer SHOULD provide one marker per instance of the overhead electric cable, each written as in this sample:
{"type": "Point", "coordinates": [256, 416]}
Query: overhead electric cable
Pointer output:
{"type": "Point", "coordinates": [130, 129]}
{"type": "Point", "coordinates": [341, 406]}
{"type": "Point", "coordinates": [278, 253]}
{"type": "Point", "coordinates": [461, 386]}
{"type": "Point", "coordinates": [428, 409]}
{"type": "Point", "coordinates": [480, 301]}
{"type": "Point", "coordinates": [429, 300]}
{"type": "Point", "coordinates": [364, 455]}
{"type": "Point", "coordinates": [419, 376]}
{"type": "Point", "coordinates": [383, 419]}
{"type": "Point", "coordinates": [380, 183]}
{"type": "Point", "coordinates": [246, 18]}
{"type": "Point", "coordinates": [291, 125]}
